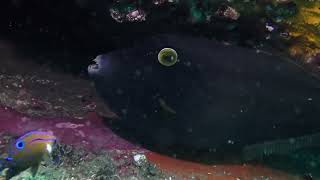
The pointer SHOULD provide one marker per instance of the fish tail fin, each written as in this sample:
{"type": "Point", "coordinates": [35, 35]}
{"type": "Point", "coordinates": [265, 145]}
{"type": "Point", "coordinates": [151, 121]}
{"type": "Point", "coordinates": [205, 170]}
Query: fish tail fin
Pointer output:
{"type": "Point", "coordinates": [280, 147]}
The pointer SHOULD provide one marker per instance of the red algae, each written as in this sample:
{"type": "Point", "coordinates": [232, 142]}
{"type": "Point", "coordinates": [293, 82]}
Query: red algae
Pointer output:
{"type": "Point", "coordinates": [185, 170]}
{"type": "Point", "coordinates": [89, 132]}
{"type": "Point", "coordinates": [92, 134]}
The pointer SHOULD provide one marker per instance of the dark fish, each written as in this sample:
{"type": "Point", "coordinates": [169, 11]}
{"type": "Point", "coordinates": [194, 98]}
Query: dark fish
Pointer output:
{"type": "Point", "coordinates": [224, 98]}
{"type": "Point", "coordinates": [27, 151]}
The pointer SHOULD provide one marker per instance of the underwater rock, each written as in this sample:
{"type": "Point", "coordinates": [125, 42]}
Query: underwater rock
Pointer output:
{"type": "Point", "coordinates": [225, 97]}
{"type": "Point", "coordinates": [162, 2]}
{"type": "Point", "coordinates": [90, 166]}
{"type": "Point", "coordinates": [139, 159]}
{"type": "Point", "coordinates": [40, 90]}
{"type": "Point", "coordinates": [304, 29]}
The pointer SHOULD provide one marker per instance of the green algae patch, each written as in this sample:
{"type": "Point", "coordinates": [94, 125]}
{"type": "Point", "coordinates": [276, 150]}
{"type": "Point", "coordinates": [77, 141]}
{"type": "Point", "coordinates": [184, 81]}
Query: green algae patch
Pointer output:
{"type": "Point", "coordinates": [304, 29]}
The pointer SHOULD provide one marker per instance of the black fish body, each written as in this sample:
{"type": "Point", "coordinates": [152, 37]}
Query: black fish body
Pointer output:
{"type": "Point", "coordinates": [217, 96]}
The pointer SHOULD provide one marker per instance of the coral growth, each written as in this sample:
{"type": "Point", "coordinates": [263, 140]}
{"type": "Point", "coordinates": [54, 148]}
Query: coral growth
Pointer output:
{"type": "Point", "coordinates": [304, 28]}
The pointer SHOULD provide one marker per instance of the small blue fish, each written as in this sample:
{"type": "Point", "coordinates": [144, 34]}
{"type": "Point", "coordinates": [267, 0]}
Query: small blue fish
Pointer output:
{"type": "Point", "coordinates": [28, 151]}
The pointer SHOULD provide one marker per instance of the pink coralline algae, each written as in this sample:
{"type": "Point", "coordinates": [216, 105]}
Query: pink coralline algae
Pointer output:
{"type": "Point", "coordinates": [136, 15]}
{"type": "Point", "coordinates": [89, 133]}
{"type": "Point", "coordinates": [161, 2]}
{"type": "Point", "coordinates": [68, 125]}
{"type": "Point", "coordinates": [227, 12]}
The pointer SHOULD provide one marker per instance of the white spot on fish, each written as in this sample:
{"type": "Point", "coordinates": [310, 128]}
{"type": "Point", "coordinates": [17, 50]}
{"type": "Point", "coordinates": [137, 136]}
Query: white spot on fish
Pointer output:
{"type": "Point", "coordinates": [49, 148]}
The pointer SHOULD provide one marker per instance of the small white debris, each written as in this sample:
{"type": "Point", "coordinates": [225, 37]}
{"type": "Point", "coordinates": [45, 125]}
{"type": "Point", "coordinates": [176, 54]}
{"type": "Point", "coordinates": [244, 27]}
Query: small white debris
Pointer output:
{"type": "Point", "coordinates": [119, 91]}
{"type": "Point", "coordinates": [15, 84]}
{"type": "Point", "coordinates": [137, 73]}
{"type": "Point", "coordinates": [269, 27]}
{"type": "Point", "coordinates": [189, 130]}
{"type": "Point", "coordinates": [313, 164]}
{"type": "Point", "coordinates": [140, 159]}
{"type": "Point", "coordinates": [188, 63]}
{"type": "Point", "coordinates": [124, 111]}
{"type": "Point", "coordinates": [292, 140]}
{"type": "Point", "coordinates": [212, 149]}
{"type": "Point", "coordinates": [68, 125]}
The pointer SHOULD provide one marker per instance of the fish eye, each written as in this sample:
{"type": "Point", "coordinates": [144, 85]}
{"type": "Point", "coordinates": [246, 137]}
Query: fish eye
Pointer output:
{"type": "Point", "coordinates": [20, 145]}
{"type": "Point", "coordinates": [167, 57]}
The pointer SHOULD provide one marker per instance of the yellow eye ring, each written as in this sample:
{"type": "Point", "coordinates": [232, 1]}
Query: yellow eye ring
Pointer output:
{"type": "Point", "coordinates": [168, 57]}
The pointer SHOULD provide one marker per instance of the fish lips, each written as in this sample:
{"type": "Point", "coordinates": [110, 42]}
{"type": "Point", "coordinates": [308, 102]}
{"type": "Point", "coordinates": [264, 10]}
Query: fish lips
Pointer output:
{"type": "Point", "coordinates": [94, 69]}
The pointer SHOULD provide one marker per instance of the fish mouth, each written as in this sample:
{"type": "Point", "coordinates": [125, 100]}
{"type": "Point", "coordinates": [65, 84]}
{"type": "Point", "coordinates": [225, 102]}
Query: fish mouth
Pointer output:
{"type": "Point", "coordinates": [93, 69]}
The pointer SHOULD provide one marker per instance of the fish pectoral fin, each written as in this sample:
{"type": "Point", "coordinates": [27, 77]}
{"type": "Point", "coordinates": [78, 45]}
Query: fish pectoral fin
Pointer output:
{"type": "Point", "coordinates": [10, 172]}
{"type": "Point", "coordinates": [166, 107]}
{"type": "Point", "coordinates": [34, 169]}
{"type": "Point", "coordinates": [4, 172]}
